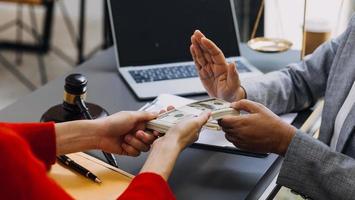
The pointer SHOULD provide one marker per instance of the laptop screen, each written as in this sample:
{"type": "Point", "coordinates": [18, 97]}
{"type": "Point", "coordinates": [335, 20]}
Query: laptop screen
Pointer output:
{"type": "Point", "coordinates": [159, 31]}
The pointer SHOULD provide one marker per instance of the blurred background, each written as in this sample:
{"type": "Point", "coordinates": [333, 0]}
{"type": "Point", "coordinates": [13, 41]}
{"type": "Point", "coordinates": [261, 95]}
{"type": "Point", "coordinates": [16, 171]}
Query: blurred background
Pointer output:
{"type": "Point", "coordinates": [23, 70]}
{"type": "Point", "coordinates": [41, 40]}
{"type": "Point", "coordinates": [25, 64]}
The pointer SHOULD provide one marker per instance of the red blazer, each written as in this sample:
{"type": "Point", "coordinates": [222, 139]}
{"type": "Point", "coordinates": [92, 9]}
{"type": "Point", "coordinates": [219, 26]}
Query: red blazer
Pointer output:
{"type": "Point", "coordinates": [27, 151]}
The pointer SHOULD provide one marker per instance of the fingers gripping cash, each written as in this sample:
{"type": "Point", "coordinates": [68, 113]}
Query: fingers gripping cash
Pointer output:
{"type": "Point", "coordinates": [217, 107]}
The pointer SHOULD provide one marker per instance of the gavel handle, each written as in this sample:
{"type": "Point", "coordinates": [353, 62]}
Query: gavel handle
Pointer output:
{"type": "Point", "coordinates": [84, 109]}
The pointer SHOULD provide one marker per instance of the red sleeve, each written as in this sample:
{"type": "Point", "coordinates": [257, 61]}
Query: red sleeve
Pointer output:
{"type": "Point", "coordinates": [23, 175]}
{"type": "Point", "coordinates": [148, 186]}
{"type": "Point", "coordinates": [28, 149]}
{"type": "Point", "coordinates": [40, 137]}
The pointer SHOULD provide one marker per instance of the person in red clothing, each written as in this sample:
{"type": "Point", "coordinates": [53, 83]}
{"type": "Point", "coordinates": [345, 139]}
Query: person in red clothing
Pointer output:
{"type": "Point", "coordinates": [28, 150]}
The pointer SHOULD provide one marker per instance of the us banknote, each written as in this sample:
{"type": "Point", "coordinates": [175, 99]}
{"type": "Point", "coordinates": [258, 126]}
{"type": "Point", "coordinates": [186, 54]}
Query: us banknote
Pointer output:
{"type": "Point", "coordinates": [218, 108]}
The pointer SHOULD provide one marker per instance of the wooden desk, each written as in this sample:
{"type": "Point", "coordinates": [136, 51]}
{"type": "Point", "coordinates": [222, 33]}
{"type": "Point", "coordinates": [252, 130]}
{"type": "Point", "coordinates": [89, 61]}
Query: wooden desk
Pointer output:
{"type": "Point", "coordinates": [33, 2]}
{"type": "Point", "coordinates": [114, 180]}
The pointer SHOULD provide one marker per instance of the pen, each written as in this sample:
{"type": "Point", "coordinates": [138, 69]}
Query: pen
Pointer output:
{"type": "Point", "coordinates": [111, 159]}
{"type": "Point", "coordinates": [78, 168]}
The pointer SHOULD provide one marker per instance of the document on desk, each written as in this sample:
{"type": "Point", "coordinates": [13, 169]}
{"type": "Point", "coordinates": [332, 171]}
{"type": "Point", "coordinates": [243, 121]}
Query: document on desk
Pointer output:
{"type": "Point", "coordinates": [208, 137]}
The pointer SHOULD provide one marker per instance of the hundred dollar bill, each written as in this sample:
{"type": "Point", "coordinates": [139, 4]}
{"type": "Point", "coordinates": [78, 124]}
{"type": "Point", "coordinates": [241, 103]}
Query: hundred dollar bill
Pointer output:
{"type": "Point", "coordinates": [218, 108]}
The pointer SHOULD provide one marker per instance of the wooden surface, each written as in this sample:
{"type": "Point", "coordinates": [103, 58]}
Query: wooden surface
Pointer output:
{"type": "Point", "coordinates": [312, 119]}
{"type": "Point", "coordinates": [33, 2]}
{"type": "Point", "coordinates": [114, 181]}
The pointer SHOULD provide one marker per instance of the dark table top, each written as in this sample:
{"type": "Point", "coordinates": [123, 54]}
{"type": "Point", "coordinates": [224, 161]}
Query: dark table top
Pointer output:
{"type": "Point", "coordinates": [198, 174]}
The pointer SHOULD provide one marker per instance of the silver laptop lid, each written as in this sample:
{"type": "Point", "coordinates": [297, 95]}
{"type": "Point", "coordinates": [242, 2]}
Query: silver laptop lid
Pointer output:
{"type": "Point", "coordinates": [159, 31]}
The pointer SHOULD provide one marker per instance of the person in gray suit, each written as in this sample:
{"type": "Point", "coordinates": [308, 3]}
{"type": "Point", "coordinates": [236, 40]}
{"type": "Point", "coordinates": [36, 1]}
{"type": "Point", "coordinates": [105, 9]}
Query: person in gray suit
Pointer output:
{"type": "Point", "coordinates": [318, 169]}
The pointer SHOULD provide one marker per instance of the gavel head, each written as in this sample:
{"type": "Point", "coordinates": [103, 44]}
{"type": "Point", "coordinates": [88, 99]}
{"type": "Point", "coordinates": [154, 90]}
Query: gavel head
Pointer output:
{"type": "Point", "coordinates": [76, 84]}
{"type": "Point", "coordinates": [74, 106]}
{"type": "Point", "coordinates": [75, 87]}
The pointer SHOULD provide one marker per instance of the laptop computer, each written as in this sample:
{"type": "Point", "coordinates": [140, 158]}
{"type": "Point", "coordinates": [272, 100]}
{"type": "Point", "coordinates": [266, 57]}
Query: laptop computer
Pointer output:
{"type": "Point", "coordinates": [152, 40]}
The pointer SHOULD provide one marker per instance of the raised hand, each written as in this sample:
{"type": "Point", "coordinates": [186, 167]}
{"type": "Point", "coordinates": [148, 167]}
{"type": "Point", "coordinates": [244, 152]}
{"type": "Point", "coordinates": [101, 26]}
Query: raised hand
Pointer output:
{"type": "Point", "coordinates": [219, 78]}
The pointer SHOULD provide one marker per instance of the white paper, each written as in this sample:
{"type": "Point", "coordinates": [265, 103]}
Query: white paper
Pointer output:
{"type": "Point", "coordinates": [288, 118]}
{"type": "Point", "coordinates": [165, 100]}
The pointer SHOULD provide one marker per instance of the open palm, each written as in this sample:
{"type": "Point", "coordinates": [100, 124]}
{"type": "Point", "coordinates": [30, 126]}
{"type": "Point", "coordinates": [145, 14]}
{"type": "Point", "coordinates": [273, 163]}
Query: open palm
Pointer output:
{"type": "Point", "coordinates": [219, 78]}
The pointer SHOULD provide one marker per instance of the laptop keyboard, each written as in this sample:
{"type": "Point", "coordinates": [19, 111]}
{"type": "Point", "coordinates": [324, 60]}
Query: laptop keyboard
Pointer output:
{"type": "Point", "coordinates": [171, 73]}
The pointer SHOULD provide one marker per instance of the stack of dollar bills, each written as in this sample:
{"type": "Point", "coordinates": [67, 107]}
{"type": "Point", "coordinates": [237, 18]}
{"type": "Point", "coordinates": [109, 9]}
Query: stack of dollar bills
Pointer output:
{"type": "Point", "coordinates": [218, 108]}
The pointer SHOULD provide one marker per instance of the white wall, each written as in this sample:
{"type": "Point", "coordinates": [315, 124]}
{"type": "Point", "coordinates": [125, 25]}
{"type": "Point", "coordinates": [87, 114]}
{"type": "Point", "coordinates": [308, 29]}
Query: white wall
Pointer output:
{"type": "Point", "coordinates": [284, 18]}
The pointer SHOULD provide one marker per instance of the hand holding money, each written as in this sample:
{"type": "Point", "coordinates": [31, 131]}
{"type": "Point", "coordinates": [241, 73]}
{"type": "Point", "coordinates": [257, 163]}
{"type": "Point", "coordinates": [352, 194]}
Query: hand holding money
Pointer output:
{"type": "Point", "coordinates": [166, 149]}
{"type": "Point", "coordinates": [217, 107]}
{"type": "Point", "coordinates": [187, 131]}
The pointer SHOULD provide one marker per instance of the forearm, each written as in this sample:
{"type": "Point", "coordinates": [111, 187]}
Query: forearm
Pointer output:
{"type": "Point", "coordinates": [76, 136]}
{"type": "Point", "coordinates": [162, 158]}
{"type": "Point", "coordinates": [313, 169]}
{"type": "Point", "coordinates": [299, 85]}
{"type": "Point", "coordinates": [280, 92]}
